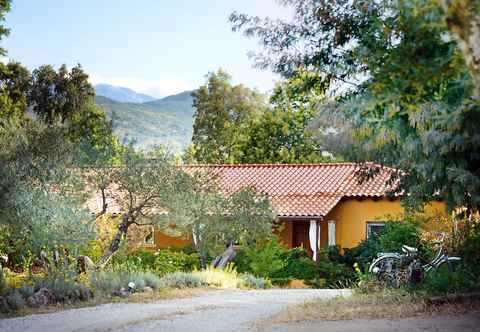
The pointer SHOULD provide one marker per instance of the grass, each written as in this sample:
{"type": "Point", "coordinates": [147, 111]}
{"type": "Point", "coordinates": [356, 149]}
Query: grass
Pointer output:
{"type": "Point", "coordinates": [384, 304]}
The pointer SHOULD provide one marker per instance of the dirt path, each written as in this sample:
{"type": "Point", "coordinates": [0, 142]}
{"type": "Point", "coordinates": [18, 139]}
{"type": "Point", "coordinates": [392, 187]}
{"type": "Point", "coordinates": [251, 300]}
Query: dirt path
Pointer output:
{"type": "Point", "coordinates": [445, 323]}
{"type": "Point", "coordinates": [215, 311]}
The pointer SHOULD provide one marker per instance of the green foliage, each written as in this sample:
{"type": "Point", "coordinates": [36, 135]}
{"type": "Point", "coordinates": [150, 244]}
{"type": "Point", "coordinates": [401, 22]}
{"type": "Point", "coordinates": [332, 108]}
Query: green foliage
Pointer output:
{"type": "Point", "coordinates": [198, 210]}
{"type": "Point", "coordinates": [297, 265]}
{"type": "Point", "coordinates": [63, 282]}
{"type": "Point", "coordinates": [181, 280]}
{"type": "Point", "coordinates": [280, 265]}
{"type": "Point", "coordinates": [40, 200]}
{"type": "Point", "coordinates": [3, 283]}
{"type": "Point", "coordinates": [403, 91]}
{"type": "Point", "coordinates": [107, 282]}
{"type": "Point", "coordinates": [391, 239]}
{"type": "Point", "coordinates": [5, 6]}
{"type": "Point", "coordinates": [164, 261]}
{"type": "Point", "coordinates": [70, 94]}
{"type": "Point", "coordinates": [266, 260]}
{"type": "Point", "coordinates": [15, 82]}
{"type": "Point", "coordinates": [223, 114]}
{"type": "Point", "coordinates": [250, 281]}
{"type": "Point", "coordinates": [282, 134]}
{"type": "Point", "coordinates": [398, 233]}
{"type": "Point", "coordinates": [443, 281]}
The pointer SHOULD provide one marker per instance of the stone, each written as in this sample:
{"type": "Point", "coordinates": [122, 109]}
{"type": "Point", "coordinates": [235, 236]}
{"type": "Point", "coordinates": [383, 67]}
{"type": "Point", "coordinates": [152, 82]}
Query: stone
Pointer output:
{"type": "Point", "coordinates": [85, 264]}
{"type": "Point", "coordinates": [147, 289]}
{"type": "Point", "coordinates": [121, 293]}
{"type": "Point", "coordinates": [44, 296]}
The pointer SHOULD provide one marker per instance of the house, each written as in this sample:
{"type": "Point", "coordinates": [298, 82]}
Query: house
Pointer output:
{"type": "Point", "coordinates": [317, 204]}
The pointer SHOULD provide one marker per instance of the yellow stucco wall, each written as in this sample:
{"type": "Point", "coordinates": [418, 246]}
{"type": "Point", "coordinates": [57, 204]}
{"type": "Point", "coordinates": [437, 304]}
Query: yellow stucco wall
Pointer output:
{"type": "Point", "coordinates": [352, 215]}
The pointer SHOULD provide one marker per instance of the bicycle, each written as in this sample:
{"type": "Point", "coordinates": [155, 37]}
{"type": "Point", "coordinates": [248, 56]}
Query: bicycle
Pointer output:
{"type": "Point", "coordinates": [394, 268]}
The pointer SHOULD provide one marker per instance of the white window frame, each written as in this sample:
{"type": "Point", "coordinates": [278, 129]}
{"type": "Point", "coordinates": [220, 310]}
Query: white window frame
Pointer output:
{"type": "Point", "coordinates": [152, 243]}
{"type": "Point", "coordinates": [374, 223]}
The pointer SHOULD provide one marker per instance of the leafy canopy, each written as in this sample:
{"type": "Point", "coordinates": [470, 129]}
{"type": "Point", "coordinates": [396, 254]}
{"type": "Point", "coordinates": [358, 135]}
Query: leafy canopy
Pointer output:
{"type": "Point", "coordinates": [402, 94]}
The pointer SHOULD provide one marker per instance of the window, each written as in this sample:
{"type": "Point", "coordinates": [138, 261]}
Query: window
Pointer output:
{"type": "Point", "coordinates": [150, 238]}
{"type": "Point", "coordinates": [374, 227]}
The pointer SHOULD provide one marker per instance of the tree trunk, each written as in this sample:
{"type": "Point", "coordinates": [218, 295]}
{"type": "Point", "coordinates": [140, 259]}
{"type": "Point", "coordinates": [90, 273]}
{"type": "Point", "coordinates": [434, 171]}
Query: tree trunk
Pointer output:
{"type": "Point", "coordinates": [226, 257]}
{"type": "Point", "coordinates": [115, 245]}
{"type": "Point", "coordinates": [104, 202]}
{"type": "Point", "coordinates": [463, 19]}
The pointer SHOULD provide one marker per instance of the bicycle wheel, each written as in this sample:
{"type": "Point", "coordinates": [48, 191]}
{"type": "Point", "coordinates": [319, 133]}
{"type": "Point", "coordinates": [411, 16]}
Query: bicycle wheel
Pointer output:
{"type": "Point", "coordinates": [388, 270]}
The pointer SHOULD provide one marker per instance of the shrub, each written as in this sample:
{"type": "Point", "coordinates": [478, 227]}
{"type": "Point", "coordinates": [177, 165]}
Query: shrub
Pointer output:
{"type": "Point", "coordinates": [64, 285]}
{"type": "Point", "coordinates": [3, 283]}
{"type": "Point", "coordinates": [167, 261]}
{"type": "Point", "coordinates": [181, 280]}
{"type": "Point", "coordinates": [15, 300]}
{"type": "Point", "coordinates": [250, 281]}
{"type": "Point", "coordinates": [266, 260]}
{"type": "Point", "coordinates": [162, 262]}
{"type": "Point", "coordinates": [297, 265]}
{"type": "Point", "coordinates": [108, 282]}
{"type": "Point", "coordinates": [26, 290]}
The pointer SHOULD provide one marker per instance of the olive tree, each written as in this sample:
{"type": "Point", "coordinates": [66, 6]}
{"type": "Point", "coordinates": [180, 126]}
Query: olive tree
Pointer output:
{"type": "Point", "coordinates": [40, 193]}
{"type": "Point", "coordinates": [142, 185]}
{"type": "Point", "coordinates": [216, 220]}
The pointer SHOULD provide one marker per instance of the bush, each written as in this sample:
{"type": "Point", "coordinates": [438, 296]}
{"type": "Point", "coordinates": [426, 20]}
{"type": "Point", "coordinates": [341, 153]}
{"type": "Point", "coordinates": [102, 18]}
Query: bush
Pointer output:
{"type": "Point", "coordinates": [181, 280]}
{"type": "Point", "coordinates": [267, 260]}
{"type": "Point", "coordinates": [108, 282]}
{"type": "Point", "coordinates": [15, 300]}
{"type": "Point", "coordinates": [392, 238]}
{"type": "Point", "coordinates": [63, 284]}
{"type": "Point", "coordinates": [3, 282]}
{"type": "Point", "coordinates": [250, 281]}
{"type": "Point", "coordinates": [298, 265]}
{"type": "Point", "coordinates": [163, 261]}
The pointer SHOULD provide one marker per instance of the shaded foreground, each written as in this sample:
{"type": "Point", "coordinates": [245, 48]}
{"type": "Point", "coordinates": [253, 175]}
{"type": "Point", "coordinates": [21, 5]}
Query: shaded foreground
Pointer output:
{"type": "Point", "coordinates": [215, 311]}
{"type": "Point", "coordinates": [438, 323]}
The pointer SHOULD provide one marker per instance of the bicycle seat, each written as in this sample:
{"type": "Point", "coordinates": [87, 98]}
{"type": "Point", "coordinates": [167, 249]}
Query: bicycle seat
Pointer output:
{"type": "Point", "coordinates": [409, 250]}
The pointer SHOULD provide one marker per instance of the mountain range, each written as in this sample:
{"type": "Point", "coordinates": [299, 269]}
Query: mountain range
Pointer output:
{"type": "Point", "coordinates": [121, 94]}
{"type": "Point", "coordinates": [167, 121]}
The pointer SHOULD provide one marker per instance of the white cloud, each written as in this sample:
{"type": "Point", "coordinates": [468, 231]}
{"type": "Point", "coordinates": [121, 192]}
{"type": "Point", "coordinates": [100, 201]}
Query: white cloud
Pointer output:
{"type": "Point", "coordinates": [155, 88]}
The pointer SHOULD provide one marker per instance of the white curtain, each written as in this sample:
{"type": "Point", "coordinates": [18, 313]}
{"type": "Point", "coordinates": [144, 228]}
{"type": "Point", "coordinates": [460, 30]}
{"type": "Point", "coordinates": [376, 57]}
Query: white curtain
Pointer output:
{"type": "Point", "coordinates": [312, 234]}
{"type": "Point", "coordinates": [331, 233]}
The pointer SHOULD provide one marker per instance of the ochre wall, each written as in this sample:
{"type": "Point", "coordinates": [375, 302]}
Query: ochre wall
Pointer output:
{"type": "Point", "coordinates": [164, 241]}
{"type": "Point", "coordinates": [352, 215]}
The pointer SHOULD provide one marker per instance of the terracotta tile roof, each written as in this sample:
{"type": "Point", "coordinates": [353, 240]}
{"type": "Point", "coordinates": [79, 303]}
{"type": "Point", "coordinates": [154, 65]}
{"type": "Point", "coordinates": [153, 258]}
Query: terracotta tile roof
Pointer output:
{"type": "Point", "coordinates": [299, 190]}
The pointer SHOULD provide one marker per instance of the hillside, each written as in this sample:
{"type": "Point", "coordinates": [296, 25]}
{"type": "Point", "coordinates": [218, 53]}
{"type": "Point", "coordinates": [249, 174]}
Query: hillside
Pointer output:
{"type": "Point", "coordinates": [167, 121]}
{"type": "Point", "coordinates": [121, 94]}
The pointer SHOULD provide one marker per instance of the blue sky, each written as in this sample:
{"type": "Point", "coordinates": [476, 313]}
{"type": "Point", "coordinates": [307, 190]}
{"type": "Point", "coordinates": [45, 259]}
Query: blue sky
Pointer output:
{"type": "Point", "coordinates": [159, 47]}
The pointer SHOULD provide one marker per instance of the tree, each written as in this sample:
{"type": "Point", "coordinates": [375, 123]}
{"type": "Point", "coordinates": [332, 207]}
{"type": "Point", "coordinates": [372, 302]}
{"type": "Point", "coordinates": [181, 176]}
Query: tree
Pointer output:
{"type": "Point", "coordinates": [4, 8]}
{"type": "Point", "coordinates": [283, 133]}
{"type": "Point", "coordinates": [142, 186]}
{"type": "Point", "coordinates": [215, 220]}
{"type": "Point", "coordinates": [59, 96]}
{"type": "Point", "coordinates": [463, 19]}
{"type": "Point", "coordinates": [39, 204]}
{"type": "Point", "coordinates": [223, 112]}
{"type": "Point", "coordinates": [14, 86]}
{"type": "Point", "coordinates": [404, 96]}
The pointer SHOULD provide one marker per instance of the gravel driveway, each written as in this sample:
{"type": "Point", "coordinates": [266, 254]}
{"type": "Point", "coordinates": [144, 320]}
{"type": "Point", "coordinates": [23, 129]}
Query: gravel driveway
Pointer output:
{"type": "Point", "coordinates": [214, 311]}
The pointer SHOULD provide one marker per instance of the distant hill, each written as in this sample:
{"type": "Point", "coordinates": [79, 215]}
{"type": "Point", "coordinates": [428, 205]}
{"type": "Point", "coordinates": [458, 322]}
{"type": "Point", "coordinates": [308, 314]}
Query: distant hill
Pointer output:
{"type": "Point", "coordinates": [120, 94]}
{"type": "Point", "coordinates": [167, 121]}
